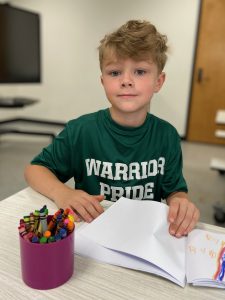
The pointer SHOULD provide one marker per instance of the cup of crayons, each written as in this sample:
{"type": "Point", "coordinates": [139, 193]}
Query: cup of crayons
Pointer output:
{"type": "Point", "coordinates": [47, 248]}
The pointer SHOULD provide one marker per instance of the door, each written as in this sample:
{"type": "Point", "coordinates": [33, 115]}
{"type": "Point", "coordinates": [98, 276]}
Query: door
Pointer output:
{"type": "Point", "coordinates": [208, 88]}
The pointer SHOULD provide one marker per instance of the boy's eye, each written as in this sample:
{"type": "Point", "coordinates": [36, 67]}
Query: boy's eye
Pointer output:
{"type": "Point", "coordinates": [114, 73]}
{"type": "Point", "coordinates": [140, 72]}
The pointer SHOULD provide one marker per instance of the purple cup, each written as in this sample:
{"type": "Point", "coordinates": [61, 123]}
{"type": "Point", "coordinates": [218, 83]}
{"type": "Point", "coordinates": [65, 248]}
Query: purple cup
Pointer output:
{"type": "Point", "coordinates": [47, 266]}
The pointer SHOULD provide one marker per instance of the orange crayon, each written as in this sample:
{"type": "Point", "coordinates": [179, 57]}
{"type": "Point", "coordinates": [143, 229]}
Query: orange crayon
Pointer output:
{"type": "Point", "coordinates": [47, 234]}
{"type": "Point", "coordinates": [70, 226]}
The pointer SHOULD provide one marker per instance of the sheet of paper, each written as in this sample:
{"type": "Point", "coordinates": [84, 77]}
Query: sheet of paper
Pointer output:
{"type": "Point", "coordinates": [88, 248]}
{"type": "Point", "coordinates": [206, 258]}
{"type": "Point", "coordinates": [140, 228]}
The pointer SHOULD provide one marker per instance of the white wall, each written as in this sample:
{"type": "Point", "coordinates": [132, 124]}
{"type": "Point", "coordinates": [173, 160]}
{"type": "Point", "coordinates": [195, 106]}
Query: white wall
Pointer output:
{"type": "Point", "coordinates": [71, 30]}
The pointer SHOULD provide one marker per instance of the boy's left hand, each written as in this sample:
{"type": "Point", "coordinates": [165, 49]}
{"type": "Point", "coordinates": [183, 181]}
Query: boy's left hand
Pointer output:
{"type": "Point", "coordinates": [183, 214]}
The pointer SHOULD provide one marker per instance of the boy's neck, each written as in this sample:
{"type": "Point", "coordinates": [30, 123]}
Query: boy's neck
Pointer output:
{"type": "Point", "coordinates": [128, 119]}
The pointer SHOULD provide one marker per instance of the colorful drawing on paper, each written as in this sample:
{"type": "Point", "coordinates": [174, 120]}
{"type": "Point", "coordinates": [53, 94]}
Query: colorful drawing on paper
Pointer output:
{"type": "Point", "coordinates": [220, 272]}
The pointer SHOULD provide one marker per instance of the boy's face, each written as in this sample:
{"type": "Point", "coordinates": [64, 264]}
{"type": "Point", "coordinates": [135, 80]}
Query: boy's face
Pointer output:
{"type": "Point", "coordinates": [129, 86]}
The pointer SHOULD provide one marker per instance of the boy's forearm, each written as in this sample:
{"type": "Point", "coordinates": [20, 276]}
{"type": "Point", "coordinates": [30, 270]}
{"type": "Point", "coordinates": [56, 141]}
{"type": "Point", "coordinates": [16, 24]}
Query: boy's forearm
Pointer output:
{"type": "Point", "coordinates": [45, 182]}
{"type": "Point", "coordinates": [83, 205]}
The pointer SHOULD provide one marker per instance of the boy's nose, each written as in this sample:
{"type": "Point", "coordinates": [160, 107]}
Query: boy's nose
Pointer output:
{"type": "Point", "coordinates": [127, 81]}
{"type": "Point", "coordinates": [127, 84]}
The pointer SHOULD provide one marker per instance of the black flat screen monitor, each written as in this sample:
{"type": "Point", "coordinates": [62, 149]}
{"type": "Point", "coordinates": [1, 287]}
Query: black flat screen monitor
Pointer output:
{"type": "Point", "coordinates": [19, 45]}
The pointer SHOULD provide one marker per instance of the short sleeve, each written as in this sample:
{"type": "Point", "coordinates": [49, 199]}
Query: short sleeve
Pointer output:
{"type": "Point", "coordinates": [173, 179]}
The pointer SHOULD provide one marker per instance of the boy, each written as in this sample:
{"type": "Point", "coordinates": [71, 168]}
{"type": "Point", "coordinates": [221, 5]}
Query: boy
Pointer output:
{"type": "Point", "coordinates": [123, 150]}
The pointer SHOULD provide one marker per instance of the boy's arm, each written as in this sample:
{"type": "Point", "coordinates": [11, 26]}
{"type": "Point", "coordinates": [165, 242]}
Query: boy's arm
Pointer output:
{"type": "Point", "coordinates": [183, 214]}
{"type": "Point", "coordinates": [45, 182]}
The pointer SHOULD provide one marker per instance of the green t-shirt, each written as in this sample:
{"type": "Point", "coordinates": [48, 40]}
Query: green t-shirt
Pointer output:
{"type": "Point", "coordinates": [104, 157]}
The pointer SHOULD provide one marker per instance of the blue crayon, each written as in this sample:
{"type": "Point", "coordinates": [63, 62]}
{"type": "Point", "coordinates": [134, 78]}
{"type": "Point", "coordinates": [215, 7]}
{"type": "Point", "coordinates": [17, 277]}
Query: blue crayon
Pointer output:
{"type": "Point", "coordinates": [63, 233]}
{"type": "Point", "coordinates": [57, 237]}
{"type": "Point", "coordinates": [59, 218]}
{"type": "Point", "coordinates": [35, 239]}
{"type": "Point", "coordinates": [59, 223]}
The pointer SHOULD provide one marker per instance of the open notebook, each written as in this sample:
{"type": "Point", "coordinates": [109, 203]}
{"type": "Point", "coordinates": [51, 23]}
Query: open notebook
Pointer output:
{"type": "Point", "coordinates": [134, 234]}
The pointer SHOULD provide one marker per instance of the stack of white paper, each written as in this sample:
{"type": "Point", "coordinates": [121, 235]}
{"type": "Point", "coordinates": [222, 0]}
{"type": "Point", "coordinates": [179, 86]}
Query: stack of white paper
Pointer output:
{"type": "Point", "coordinates": [134, 234]}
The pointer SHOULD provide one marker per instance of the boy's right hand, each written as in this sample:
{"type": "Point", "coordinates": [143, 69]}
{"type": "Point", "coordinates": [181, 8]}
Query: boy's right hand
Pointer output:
{"type": "Point", "coordinates": [86, 207]}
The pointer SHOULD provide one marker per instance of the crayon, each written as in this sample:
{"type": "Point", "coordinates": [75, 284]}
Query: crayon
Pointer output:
{"type": "Point", "coordinates": [43, 240]}
{"type": "Point", "coordinates": [60, 223]}
{"type": "Point", "coordinates": [59, 218]}
{"type": "Point", "coordinates": [28, 236]}
{"type": "Point", "coordinates": [47, 234]}
{"type": "Point", "coordinates": [27, 222]}
{"type": "Point", "coordinates": [52, 223]}
{"type": "Point", "coordinates": [36, 220]}
{"type": "Point", "coordinates": [31, 221]}
{"type": "Point", "coordinates": [51, 239]}
{"type": "Point", "coordinates": [22, 230]}
{"type": "Point", "coordinates": [57, 237]}
{"type": "Point", "coordinates": [66, 213]}
{"type": "Point", "coordinates": [63, 233]}
{"type": "Point", "coordinates": [43, 218]}
{"type": "Point", "coordinates": [35, 239]}
{"type": "Point", "coordinates": [39, 231]}
{"type": "Point", "coordinates": [22, 221]}
{"type": "Point", "coordinates": [66, 221]}
{"type": "Point", "coordinates": [44, 209]}
{"type": "Point", "coordinates": [71, 218]}
{"type": "Point", "coordinates": [31, 227]}
{"type": "Point", "coordinates": [70, 226]}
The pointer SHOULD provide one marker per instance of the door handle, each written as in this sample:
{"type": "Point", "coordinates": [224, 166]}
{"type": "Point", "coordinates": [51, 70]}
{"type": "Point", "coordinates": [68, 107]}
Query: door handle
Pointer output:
{"type": "Point", "coordinates": [200, 75]}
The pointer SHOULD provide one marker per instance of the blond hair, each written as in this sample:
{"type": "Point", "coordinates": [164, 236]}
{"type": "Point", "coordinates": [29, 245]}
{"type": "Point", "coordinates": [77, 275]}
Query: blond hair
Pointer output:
{"type": "Point", "coordinates": [138, 40]}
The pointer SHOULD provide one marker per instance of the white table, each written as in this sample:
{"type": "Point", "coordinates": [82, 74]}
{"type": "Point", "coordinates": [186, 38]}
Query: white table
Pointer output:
{"type": "Point", "coordinates": [91, 280]}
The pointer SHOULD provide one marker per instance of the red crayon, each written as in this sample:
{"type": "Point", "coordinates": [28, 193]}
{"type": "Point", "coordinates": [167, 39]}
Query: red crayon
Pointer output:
{"type": "Point", "coordinates": [22, 230]}
{"type": "Point", "coordinates": [22, 221]}
{"type": "Point", "coordinates": [66, 213]}
{"type": "Point", "coordinates": [28, 236]}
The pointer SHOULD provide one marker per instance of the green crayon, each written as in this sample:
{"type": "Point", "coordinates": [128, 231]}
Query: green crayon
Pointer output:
{"type": "Point", "coordinates": [51, 239]}
{"type": "Point", "coordinates": [43, 240]}
{"type": "Point", "coordinates": [36, 220]}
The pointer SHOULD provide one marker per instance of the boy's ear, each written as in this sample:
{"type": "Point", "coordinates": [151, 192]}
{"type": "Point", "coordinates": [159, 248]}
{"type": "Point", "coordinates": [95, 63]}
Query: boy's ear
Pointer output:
{"type": "Point", "coordinates": [160, 80]}
{"type": "Point", "coordinates": [101, 79]}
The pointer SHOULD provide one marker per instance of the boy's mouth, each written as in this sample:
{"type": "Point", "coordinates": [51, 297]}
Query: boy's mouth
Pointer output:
{"type": "Point", "coordinates": [127, 95]}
